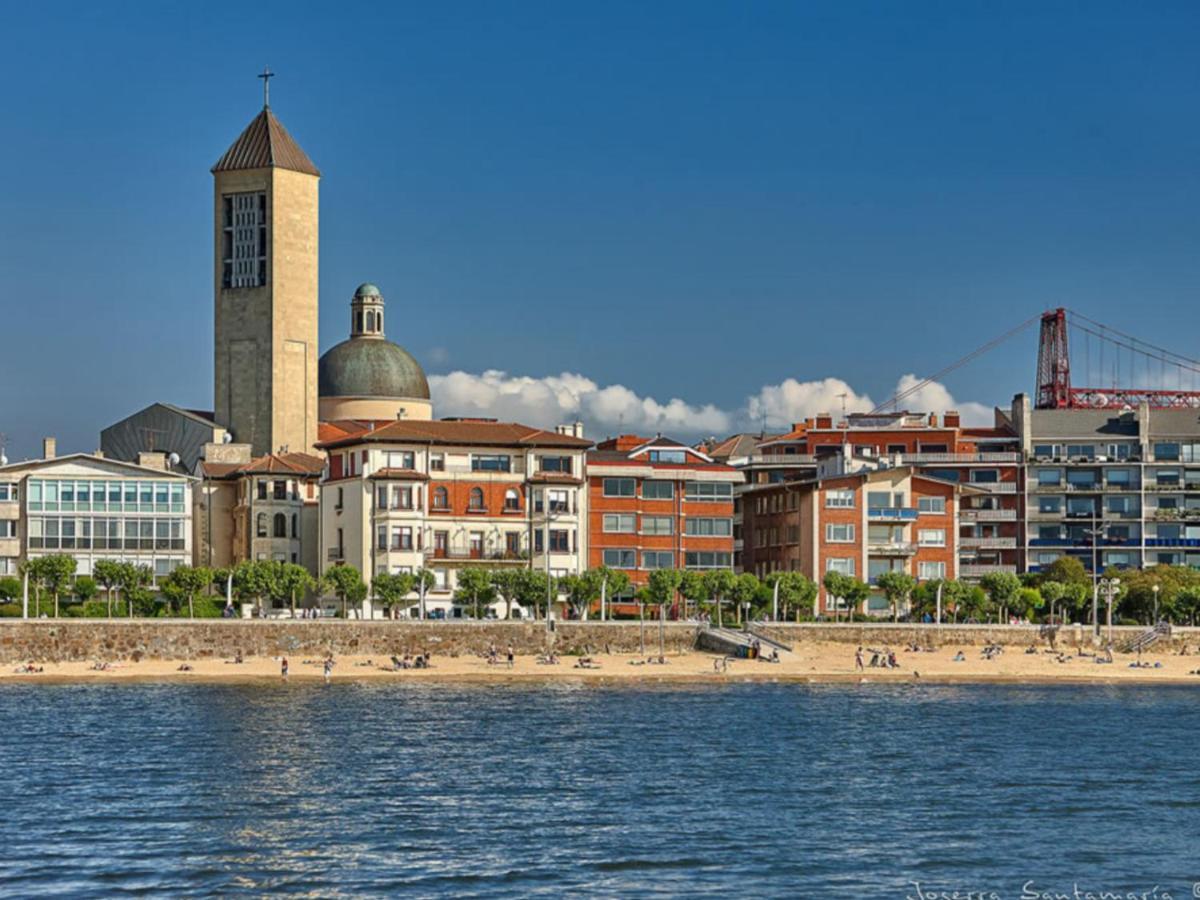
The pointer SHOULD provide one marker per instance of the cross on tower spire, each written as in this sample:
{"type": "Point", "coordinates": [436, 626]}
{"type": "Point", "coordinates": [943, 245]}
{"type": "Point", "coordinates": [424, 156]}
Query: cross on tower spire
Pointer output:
{"type": "Point", "coordinates": [266, 76]}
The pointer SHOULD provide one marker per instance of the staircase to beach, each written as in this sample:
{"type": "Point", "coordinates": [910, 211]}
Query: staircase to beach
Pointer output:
{"type": "Point", "coordinates": [1148, 638]}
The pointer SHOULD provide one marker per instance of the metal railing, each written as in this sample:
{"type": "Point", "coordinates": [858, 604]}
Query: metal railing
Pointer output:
{"type": "Point", "coordinates": [988, 515]}
{"type": "Point", "coordinates": [989, 543]}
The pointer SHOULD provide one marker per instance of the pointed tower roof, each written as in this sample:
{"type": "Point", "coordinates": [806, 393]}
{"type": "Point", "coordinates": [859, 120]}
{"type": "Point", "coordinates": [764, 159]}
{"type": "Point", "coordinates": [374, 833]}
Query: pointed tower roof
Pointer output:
{"type": "Point", "coordinates": [266, 144]}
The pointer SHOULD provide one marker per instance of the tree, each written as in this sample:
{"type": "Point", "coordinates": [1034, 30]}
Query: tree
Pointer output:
{"type": "Point", "coordinates": [423, 582]}
{"type": "Point", "coordinates": [391, 590]}
{"type": "Point", "coordinates": [533, 587]}
{"type": "Point", "coordinates": [108, 573]}
{"type": "Point", "coordinates": [718, 583]}
{"type": "Point", "coordinates": [613, 583]}
{"type": "Point", "coordinates": [744, 592]}
{"type": "Point", "coordinates": [1027, 601]}
{"type": "Point", "coordinates": [253, 580]}
{"type": "Point", "coordinates": [507, 585]}
{"type": "Point", "coordinates": [220, 580]}
{"type": "Point", "coordinates": [55, 573]}
{"type": "Point", "coordinates": [341, 580]}
{"type": "Point", "coordinates": [662, 586]}
{"type": "Point", "coordinates": [132, 582]}
{"type": "Point", "coordinates": [1067, 570]}
{"type": "Point", "coordinates": [1052, 594]}
{"type": "Point", "coordinates": [972, 602]}
{"type": "Point", "coordinates": [474, 585]}
{"type": "Point", "coordinates": [847, 588]}
{"type": "Point", "coordinates": [1075, 597]}
{"type": "Point", "coordinates": [581, 591]}
{"type": "Point", "coordinates": [1001, 588]}
{"type": "Point", "coordinates": [85, 588]}
{"type": "Point", "coordinates": [897, 587]}
{"type": "Point", "coordinates": [692, 588]}
{"type": "Point", "coordinates": [186, 583]}
{"type": "Point", "coordinates": [290, 582]}
{"type": "Point", "coordinates": [794, 589]}
{"type": "Point", "coordinates": [10, 589]}
{"type": "Point", "coordinates": [1187, 604]}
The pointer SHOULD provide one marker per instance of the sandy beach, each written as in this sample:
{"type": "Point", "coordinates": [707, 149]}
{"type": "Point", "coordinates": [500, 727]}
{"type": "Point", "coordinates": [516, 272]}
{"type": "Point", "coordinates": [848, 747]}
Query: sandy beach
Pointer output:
{"type": "Point", "coordinates": [810, 662]}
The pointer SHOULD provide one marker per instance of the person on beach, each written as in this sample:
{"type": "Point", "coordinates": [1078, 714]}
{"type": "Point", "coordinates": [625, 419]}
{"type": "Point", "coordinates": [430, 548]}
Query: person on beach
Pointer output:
{"type": "Point", "coordinates": [328, 668]}
{"type": "Point", "coordinates": [283, 667]}
{"type": "Point", "coordinates": [511, 656]}
{"type": "Point", "coordinates": [858, 660]}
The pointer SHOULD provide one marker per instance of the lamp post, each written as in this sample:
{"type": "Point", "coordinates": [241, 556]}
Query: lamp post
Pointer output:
{"type": "Point", "coordinates": [1156, 589]}
{"type": "Point", "coordinates": [1096, 532]}
{"type": "Point", "coordinates": [1110, 586]}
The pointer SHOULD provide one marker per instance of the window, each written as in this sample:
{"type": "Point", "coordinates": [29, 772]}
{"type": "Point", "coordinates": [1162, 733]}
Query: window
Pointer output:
{"type": "Point", "coordinates": [381, 497]}
{"type": "Point", "coordinates": [1045, 451]}
{"type": "Point", "coordinates": [705, 559]}
{"type": "Point", "coordinates": [931, 504]}
{"type": "Point", "coordinates": [512, 543]}
{"type": "Point", "coordinates": [708, 527]}
{"type": "Point", "coordinates": [658, 559]}
{"type": "Point", "coordinates": [440, 581]}
{"type": "Point", "coordinates": [620, 487]}
{"type": "Point", "coordinates": [402, 496]}
{"type": "Point", "coordinates": [1081, 451]}
{"type": "Point", "coordinates": [1049, 477]}
{"type": "Point", "coordinates": [280, 525]}
{"type": "Point", "coordinates": [620, 523]}
{"type": "Point", "coordinates": [931, 537]}
{"type": "Point", "coordinates": [497, 462]}
{"type": "Point", "coordinates": [8, 492]}
{"type": "Point", "coordinates": [658, 490]}
{"type": "Point", "coordinates": [710, 491]}
{"type": "Point", "coordinates": [884, 500]}
{"type": "Point", "coordinates": [1168, 451]}
{"type": "Point", "coordinates": [280, 490]}
{"type": "Point", "coordinates": [437, 462]}
{"type": "Point", "coordinates": [658, 525]}
{"type": "Point", "coordinates": [260, 525]}
{"type": "Point", "coordinates": [676, 457]}
{"type": "Point", "coordinates": [399, 459]}
{"type": "Point", "coordinates": [559, 501]}
{"type": "Point", "coordinates": [555, 464]}
{"type": "Point", "coordinates": [475, 500]}
{"type": "Point", "coordinates": [985, 476]}
{"type": "Point", "coordinates": [441, 498]}
{"type": "Point", "coordinates": [620, 559]}
{"type": "Point", "coordinates": [441, 542]}
{"type": "Point", "coordinates": [244, 240]}
{"type": "Point", "coordinates": [1122, 477]}
{"type": "Point", "coordinates": [1049, 504]}
{"type": "Point", "coordinates": [839, 499]}
{"type": "Point", "coordinates": [512, 501]}
{"type": "Point", "coordinates": [928, 571]}
{"type": "Point", "coordinates": [340, 500]}
{"type": "Point", "coordinates": [476, 544]}
{"type": "Point", "coordinates": [560, 541]}
{"type": "Point", "coordinates": [381, 535]}
{"type": "Point", "coordinates": [295, 526]}
{"type": "Point", "coordinates": [8, 528]}
{"type": "Point", "coordinates": [1081, 478]}
{"type": "Point", "coordinates": [837, 564]}
{"type": "Point", "coordinates": [839, 534]}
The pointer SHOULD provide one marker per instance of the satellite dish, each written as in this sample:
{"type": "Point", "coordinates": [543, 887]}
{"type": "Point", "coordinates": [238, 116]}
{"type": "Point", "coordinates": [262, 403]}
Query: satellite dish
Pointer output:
{"type": "Point", "coordinates": [227, 438]}
{"type": "Point", "coordinates": [173, 459]}
{"type": "Point", "coordinates": [3, 460]}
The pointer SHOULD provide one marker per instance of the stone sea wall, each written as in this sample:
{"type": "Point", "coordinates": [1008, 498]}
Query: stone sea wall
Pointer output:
{"type": "Point", "coordinates": [89, 639]}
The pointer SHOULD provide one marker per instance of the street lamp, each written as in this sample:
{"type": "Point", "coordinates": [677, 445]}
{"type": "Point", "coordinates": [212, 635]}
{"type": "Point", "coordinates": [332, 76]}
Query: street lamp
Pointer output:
{"type": "Point", "coordinates": [1110, 586]}
{"type": "Point", "coordinates": [1097, 533]}
{"type": "Point", "coordinates": [1156, 589]}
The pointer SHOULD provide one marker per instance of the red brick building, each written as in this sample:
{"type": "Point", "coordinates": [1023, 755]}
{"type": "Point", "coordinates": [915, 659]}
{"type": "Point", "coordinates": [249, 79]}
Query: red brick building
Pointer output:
{"type": "Point", "coordinates": [655, 503]}
{"type": "Point", "coordinates": [861, 524]}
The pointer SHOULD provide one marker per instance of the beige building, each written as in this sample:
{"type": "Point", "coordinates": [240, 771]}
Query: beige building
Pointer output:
{"type": "Point", "coordinates": [444, 494]}
{"type": "Point", "coordinates": [265, 271]}
{"type": "Point", "coordinates": [92, 508]}
{"type": "Point", "coordinates": [261, 508]}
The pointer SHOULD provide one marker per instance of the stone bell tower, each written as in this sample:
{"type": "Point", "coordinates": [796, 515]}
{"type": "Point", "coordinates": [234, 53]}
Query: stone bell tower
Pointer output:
{"type": "Point", "coordinates": [265, 268]}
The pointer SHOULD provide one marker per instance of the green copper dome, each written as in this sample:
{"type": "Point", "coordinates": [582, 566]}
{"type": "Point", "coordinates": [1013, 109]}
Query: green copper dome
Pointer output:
{"type": "Point", "coordinates": [370, 367]}
{"type": "Point", "coordinates": [366, 289]}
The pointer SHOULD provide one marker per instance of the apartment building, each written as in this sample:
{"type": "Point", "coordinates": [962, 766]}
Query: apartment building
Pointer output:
{"type": "Point", "coordinates": [94, 508]}
{"type": "Point", "coordinates": [1111, 488]}
{"type": "Point", "coordinates": [861, 523]}
{"type": "Point", "coordinates": [985, 458]}
{"type": "Point", "coordinates": [407, 494]}
{"type": "Point", "coordinates": [656, 503]}
{"type": "Point", "coordinates": [262, 508]}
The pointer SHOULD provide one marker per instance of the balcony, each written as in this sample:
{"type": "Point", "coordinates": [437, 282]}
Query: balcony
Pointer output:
{"type": "Point", "coordinates": [994, 487]}
{"type": "Point", "coordinates": [965, 458]}
{"type": "Point", "coordinates": [976, 570]}
{"type": "Point", "coordinates": [1172, 542]}
{"type": "Point", "coordinates": [336, 554]}
{"type": "Point", "coordinates": [891, 548]}
{"type": "Point", "coordinates": [498, 556]}
{"type": "Point", "coordinates": [781, 459]}
{"type": "Point", "coordinates": [988, 515]}
{"type": "Point", "coordinates": [892, 513]}
{"type": "Point", "coordinates": [988, 543]}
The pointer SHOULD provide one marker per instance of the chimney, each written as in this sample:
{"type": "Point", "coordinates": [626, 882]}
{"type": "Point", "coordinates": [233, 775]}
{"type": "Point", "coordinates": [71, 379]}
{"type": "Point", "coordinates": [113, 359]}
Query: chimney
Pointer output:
{"type": "Point", "coordinates": [933, 421]}
{"type": "Point", "coordinates": [951, 418]}
{"type": "Point", "coordinates": [49, 448]}
{"type": "Point", "coordinates": [824, 420]}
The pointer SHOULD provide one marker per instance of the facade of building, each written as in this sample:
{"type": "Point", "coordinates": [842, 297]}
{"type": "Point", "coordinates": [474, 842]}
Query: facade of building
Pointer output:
{"type": "Point", "coordinates": [1111, 488]}
{"type": "Point", "coordinates": [441, 494]}
{"type": "Point", "coordinates": [265, 205]}
{"type": "Point", "coordinates": [262, 508]}
{"type": "Point", "coordinates": [94, 508]}
{"type": "Point", "coordinates": [985, 458]}
{"type": "Point", "coordinates": [658, 504]}
{"type": "Point", "coordinates": [861, 523]}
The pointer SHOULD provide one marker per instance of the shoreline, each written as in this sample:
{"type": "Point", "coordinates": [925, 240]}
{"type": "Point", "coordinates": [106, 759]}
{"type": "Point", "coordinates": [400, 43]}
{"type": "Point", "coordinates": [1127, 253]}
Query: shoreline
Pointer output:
{"type": "Point", "coordinates": [811, 663]}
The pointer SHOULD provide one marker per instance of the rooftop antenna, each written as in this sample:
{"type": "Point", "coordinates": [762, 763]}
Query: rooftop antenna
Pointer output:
{"type": "Point", "coordinates": [3, 444]}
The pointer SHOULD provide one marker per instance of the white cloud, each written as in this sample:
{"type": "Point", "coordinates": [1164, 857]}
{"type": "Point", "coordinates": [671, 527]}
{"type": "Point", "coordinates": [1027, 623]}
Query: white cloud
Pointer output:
{"type": "Point", "coordinates": [611, 409]}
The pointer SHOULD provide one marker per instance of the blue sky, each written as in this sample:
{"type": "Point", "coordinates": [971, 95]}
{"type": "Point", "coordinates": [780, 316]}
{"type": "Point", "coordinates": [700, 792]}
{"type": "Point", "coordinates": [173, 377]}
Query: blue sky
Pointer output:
{"type": "Point", "coordinates": [687, 201]}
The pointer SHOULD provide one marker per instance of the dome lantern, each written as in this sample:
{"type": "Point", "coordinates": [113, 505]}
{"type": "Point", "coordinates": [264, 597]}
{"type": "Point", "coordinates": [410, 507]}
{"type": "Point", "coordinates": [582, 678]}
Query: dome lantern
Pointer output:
{"type": "Point", "coordinates": [366, 312]}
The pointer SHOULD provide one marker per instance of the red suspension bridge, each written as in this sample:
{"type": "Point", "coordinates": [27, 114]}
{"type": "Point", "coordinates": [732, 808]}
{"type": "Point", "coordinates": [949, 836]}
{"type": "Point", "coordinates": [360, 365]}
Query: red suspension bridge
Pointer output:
{"type": "Point", "coordinates": [1118, 370]}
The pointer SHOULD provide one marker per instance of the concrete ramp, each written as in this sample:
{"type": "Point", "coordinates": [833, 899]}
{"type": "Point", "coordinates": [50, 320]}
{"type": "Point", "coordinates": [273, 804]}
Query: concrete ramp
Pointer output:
{"type": "Point", "coordinates": [725, 641]}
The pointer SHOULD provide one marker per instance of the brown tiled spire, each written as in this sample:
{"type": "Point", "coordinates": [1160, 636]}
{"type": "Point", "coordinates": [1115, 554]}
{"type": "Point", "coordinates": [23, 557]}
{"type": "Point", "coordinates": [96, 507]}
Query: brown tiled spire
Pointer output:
{"type": "Point", "coordinates": [265, 144]}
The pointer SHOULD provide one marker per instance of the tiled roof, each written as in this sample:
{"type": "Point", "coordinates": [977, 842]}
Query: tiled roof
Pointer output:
{"type": "Point", "coordinates": [265, 144]}
{"type": "Point", "coordinates": [449, 431]}
{"type": "Point", "coordinates": [271, 464]}
{"type": "Point", "coordinates": [738, 445]}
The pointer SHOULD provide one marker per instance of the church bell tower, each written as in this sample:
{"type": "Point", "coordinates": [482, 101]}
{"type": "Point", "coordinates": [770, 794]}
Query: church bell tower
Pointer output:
{"type": "Point", "coordinates": [265, 268]}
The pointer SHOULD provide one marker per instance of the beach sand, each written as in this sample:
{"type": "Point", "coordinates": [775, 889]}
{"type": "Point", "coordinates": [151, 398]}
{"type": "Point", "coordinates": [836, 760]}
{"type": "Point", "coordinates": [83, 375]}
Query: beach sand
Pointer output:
{"type": "Point", "coordinates": [810, 662]}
